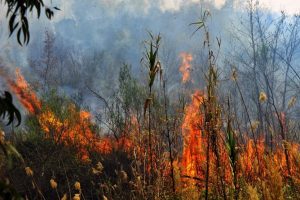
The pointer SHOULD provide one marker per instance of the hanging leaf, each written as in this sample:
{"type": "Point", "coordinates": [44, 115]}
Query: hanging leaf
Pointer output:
{"type": "Point", "coordinates": [17, 12]}
{"type": "Point", "coordinates": [49, 13]}
{"type": "Point", "coordinates": [7, 109]}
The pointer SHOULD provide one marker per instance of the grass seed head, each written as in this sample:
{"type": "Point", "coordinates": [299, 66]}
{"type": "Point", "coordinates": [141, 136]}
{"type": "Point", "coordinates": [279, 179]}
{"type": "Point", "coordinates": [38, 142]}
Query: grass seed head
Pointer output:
{"type": "Point", "coordinates": [53, 183]}
{"type": "Point", "coordinates": [28, 171]}
{"type": "Point", "coordinates": [123, 176]}
{"type": "Point", "coordinates": [76, 197]}
{"type": "Point", "coordinates": [77, 185]}
{"type": "Point", "coordinates": [65, 197]}
{"type": "Point", "coordinates": [262, 97]}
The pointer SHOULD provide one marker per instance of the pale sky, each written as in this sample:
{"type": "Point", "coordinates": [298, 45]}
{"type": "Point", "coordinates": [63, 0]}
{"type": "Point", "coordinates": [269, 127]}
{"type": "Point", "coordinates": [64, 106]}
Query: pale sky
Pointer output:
{"type": "Point", "coordinates": [142, 6]}
{"type": "Point", "coordinates": [289, 6]}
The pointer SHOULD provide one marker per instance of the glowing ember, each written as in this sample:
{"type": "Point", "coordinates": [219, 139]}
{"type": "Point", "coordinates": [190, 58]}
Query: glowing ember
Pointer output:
{"type": "Point", "coordinates": [185, 67]}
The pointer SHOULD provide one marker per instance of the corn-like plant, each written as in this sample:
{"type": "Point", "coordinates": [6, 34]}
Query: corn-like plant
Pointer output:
{"type": "Point", "coordinates": [212, 109]}
{"type": "Point", "coordinates": [154, 67]}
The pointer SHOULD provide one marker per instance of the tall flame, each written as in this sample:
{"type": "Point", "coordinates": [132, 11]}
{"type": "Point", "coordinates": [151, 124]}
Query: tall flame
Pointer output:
{"type": "Point", "coordinates": [193, 155]}
{"type": "Point", "coordinates": [253, 158]}
{"type": "Point", "coordinates": [185, 66]}
{"type": "Point", "coordinates": [24, 93]}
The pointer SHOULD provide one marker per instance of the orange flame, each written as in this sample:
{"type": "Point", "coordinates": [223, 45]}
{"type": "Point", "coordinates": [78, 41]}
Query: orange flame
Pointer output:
{"type": "Point", "coordinates": [185, 66]}
{"type": "Point", "coordinates": [193, 155]}
{"type": "Point", "coordinates": [77, 130]}
{"type": "Point", "coordinates": [74, 130]}
{"type": "Point", "coordinates": [252, 158]}
{"type": "Point", "coordinates": [24, 94]}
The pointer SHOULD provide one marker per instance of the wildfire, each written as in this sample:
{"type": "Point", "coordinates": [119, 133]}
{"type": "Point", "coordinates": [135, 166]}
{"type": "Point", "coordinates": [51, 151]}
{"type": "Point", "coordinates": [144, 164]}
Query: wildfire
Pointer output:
{"type": "Point", "coordinates": [193, 155]}
{"type": "Point", "coordinates": [253, 157]}
{"type": "Point", "coordinates": [185, 67]}
{"type": "Point", "coordinates": [195, 144]}
{"type": "Point", "coordinates": [24, 93]}
{"type": "Point", "coordinates": [75, 129]}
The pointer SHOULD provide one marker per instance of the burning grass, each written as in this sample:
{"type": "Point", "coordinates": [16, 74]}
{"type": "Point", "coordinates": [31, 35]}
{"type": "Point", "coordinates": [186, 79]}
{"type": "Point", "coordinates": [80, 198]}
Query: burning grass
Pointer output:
{"type": "Point", "coordinates": [208, 159]}
{"type": "Point", "coordinates": [69, 126]}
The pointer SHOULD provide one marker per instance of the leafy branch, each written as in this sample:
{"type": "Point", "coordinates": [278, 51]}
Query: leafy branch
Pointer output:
{"type": "Point", "coordinates": [17, 13]}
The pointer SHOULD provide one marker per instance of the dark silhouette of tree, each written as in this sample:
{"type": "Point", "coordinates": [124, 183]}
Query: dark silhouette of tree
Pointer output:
{"type": "Point", "coordinates": [7, 109]}
{"type": "Point", "coordinates": [17, 11]}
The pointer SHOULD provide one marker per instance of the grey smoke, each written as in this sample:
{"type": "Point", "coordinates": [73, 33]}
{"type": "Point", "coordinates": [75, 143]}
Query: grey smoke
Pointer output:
{"type": "Point", "coordinates": [115, 31]}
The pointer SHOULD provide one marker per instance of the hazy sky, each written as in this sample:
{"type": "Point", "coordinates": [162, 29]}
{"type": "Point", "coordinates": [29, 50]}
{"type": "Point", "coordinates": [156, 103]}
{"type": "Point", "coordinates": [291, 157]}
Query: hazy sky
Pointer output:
{"type": "Point", "coordinates": [114, 23]}
{"type": "Point", "coordinates": [135, 6]}
{"type": "Point", "coordinates": [290, 6]}
{"type": "Point", "coordinates": [119, 27]}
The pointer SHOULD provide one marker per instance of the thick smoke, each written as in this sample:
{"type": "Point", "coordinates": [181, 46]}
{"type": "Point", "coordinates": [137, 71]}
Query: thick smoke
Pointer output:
{"type": "Point", "coordinates": [114, 31]}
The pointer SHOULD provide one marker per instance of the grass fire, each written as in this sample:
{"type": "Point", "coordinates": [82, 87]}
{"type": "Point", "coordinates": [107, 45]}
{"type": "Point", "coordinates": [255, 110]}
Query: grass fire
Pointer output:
{"type": "Point", "coordinates": [150, 100]}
